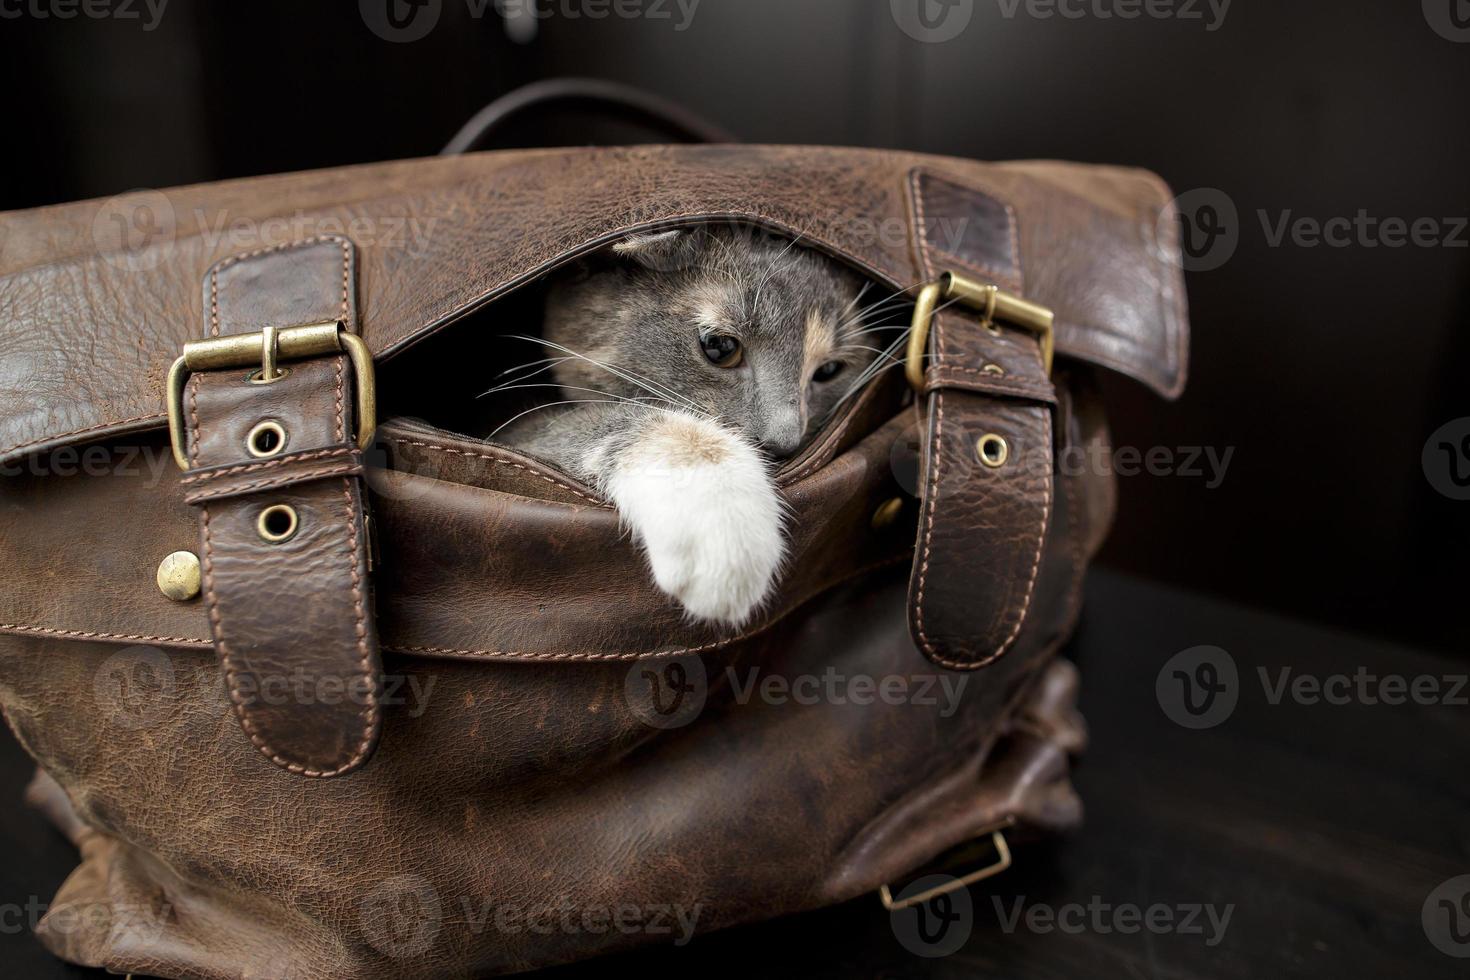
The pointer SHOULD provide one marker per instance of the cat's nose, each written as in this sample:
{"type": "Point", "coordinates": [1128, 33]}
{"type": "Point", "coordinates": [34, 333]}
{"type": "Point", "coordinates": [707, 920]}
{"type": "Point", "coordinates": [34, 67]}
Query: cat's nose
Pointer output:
{"type": "Point", "coordinates": [782, 439]}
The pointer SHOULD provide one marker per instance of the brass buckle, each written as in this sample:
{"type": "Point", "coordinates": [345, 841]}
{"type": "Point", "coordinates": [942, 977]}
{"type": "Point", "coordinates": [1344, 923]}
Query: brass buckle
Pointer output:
{"type": "Point", "coordinates": [993, 303]}
{"type": "Point", "coordinates": [267, 348]}
{"type": "Point", "coordinates": [1002, 861]}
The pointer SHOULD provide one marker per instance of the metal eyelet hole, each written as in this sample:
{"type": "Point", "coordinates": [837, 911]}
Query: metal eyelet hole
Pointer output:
{"type": "Point", "coordinates": [993, 368]}
{"type": "Point", "coordinates": [266, 439]}
{"type": "Point", "coordinates": [277, 523]}
{"type": "Point", "coordinates": [254, 377]}
{"type": "Point", "coordinates": [992, 329]}
{"type": "Point", "coordinates": [993, 450]}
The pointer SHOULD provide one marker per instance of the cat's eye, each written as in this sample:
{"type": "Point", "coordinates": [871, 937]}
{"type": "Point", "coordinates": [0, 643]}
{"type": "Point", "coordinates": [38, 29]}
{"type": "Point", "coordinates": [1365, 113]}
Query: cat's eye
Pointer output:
{"type": "Point", "coordinates": [828, 371]}
{"type": "Point", "coordinates": [722, 350]}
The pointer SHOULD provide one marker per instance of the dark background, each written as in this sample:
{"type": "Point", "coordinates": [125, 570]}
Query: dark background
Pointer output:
{"type": "Point", "coordinates": [1325, 368]}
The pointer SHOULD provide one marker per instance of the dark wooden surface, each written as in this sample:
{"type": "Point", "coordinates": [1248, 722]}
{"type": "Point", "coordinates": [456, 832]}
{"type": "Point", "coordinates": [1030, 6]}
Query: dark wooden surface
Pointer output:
{"type": "Point", "coordinates": [1323, 827]}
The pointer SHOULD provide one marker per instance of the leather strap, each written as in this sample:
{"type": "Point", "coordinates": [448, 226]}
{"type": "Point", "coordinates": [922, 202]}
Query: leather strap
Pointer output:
{"type": "Point", "coordinates": [291, 620]}
{"type": "Point", "coordinates": [983, 526]}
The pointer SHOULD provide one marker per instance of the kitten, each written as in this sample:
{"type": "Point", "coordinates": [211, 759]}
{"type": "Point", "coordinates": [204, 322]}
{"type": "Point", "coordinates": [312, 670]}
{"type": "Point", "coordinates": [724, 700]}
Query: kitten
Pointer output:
{"type": "Point", "coordinates": [689, 362]}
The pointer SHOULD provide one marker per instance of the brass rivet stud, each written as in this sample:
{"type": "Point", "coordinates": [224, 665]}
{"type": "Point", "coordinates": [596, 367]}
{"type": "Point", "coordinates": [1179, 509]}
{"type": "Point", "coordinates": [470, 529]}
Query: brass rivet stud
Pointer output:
{"type": "Point", "coordinates": [993, 450]}
{"type": "Point", "coordinates": [178, 576]}
{"type": "Point", "coordinates": [276, 523]}
{"type": "Point", "coordinates": [266, 439]}
{"type": "Point", "coordinates": [887, 513]}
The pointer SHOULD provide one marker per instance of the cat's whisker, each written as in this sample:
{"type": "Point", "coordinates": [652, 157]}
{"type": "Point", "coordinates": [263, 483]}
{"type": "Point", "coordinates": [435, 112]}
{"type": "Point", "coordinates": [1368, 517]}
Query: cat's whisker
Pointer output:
{"type": "Point", "coordinates": [554, 361]}
{"type": "Point", "coordinates": [885, 361]}
{"type": "Point", "coordinates": [634, 379]}
{"type": "Point", "coordinates": [771, 270]}
{"type": "Point", "coordinates": [867, 317]}
{"type": "Point", "coordinates": [897, 296]}
{"type": "Point", "coordinates": [678, 410]}
{"type": "Point", "coordinates": [537, 408]}
{"type": "Point", "coordinates": [904, 325]}
{"type": "Point", "coordinates": [886, 358]}
{"type": "Point", "coordinates": [518, 367]}
{"type": "Point", "coordinates": [553, 384]}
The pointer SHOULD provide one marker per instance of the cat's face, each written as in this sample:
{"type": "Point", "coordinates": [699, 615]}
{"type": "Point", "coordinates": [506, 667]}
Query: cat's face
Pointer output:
{"type": "Point", "coordinates": [763, 334]}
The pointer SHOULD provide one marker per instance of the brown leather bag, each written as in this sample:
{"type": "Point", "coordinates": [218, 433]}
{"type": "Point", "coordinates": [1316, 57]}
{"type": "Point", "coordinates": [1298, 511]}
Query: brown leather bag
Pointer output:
{"type": "Point", "coordinates": [453, 705]}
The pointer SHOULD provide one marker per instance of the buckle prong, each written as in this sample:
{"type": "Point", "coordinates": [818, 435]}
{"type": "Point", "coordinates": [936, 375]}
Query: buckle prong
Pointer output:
{"type": "Point", "coordinates": [993, 303]}
{"type": "Point", "coordinates": [270, 348]}
{"type": "Point", "coordinates": [267, 347]}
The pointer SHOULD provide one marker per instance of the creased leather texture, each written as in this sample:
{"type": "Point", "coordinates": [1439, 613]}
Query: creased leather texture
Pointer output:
{"type": "Point", "coordinates": [298, 608]}
{"type": "Point", "coordinates": [533, 755]}
{"type": "Point", "coordinates": [438, 237]}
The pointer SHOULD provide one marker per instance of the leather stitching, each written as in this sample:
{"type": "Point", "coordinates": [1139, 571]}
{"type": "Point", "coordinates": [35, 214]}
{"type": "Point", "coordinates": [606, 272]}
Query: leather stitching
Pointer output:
{"type": "Point", "coordinates": [206, 475]}
{"type": "Point", "coordinates": [76, 432]}
{"type": "Point", "coordinates": [285, 480]}
{"type": "Point", "coordinates": [502, 461]}
{"type": "Point", "coordinates": [370, 713]}
{"type": "Point", "coordinates": [97, 635]}
{"type": "Point", "coordinates": [514, 654]}
{"type": "Point", "coordinates": [266, 250]}
{"type": "Point", "coordinates": [929, 506]}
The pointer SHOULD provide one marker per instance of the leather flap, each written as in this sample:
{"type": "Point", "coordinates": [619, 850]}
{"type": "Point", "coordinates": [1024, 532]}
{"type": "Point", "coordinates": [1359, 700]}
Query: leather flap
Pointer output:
{"type": "Point", "coordinates": [99, 296]}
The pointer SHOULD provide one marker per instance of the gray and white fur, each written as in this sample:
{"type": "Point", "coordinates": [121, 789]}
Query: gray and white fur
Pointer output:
{"type": "Point", "coordinates": [687, 363]}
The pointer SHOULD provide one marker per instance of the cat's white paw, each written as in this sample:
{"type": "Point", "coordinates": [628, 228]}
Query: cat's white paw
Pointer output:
{"type": "Point", "coordinates": [699, 500]}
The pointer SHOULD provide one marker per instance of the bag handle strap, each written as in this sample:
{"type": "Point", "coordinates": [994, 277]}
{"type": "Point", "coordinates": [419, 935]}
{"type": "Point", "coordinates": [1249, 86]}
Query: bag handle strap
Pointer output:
{"type": "Point", "coordinates": [274, 466]}
{"type": "Point", "coordinates": [631, 104]}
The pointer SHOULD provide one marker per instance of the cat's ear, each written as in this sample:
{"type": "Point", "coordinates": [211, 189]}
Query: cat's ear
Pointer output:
{"type": "Point", "coordinates": [661, 251]}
